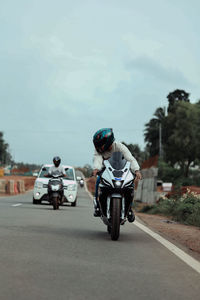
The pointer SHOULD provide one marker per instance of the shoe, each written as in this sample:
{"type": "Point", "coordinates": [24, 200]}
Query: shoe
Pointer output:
{"type": "Point", "coordinates": [97, 212]}
{"type": "Point", "coordinates": [131, 216]}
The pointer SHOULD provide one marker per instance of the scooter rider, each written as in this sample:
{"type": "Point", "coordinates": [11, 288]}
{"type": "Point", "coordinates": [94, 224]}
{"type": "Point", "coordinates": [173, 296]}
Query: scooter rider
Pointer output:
{"type": "Point", "coordinates": [105, 145]}
{"type": "Point", "coordinates": [57, 169]}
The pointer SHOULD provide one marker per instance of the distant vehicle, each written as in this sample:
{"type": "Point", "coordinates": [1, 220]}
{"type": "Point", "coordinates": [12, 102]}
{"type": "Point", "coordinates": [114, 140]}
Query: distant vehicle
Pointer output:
{"type": "Point", "coordinates": [40, 192]}
{"type": "Point", "coordinates": [35, 174]}
{"type": "Point", "coordinates": [81, 182]}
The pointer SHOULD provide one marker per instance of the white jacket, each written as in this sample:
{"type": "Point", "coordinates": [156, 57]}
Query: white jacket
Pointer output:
{"type": "Point", "coordinates": [116, 147]}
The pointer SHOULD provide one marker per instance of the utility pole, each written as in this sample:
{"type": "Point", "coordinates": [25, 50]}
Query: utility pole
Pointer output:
{"type": "Point", "coordinates": [160, 140]}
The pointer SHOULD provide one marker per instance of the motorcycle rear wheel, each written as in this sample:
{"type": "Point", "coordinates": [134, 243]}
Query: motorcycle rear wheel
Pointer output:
{"type": "Point", "coordinates": [115, 218]}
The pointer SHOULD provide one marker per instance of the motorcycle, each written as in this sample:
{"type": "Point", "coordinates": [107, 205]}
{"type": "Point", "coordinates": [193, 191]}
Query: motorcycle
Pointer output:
{"type": "Point", "coordinates": [116, 193]}
{"type": "Point", "coordinates": [81, 182]}
{"type": "Point", "coordinates": [55, 191]}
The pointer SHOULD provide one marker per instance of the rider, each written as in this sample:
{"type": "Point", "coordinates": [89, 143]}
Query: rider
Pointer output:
{"type": "Point", "coordinates": [57, 169]}
{"type": "Point", "coordinates": [105, 145]}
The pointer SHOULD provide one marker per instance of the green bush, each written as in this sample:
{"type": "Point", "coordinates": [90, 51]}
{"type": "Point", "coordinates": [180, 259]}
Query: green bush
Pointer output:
{"type": "Point", "coordinates": [146, 208]}
{"type": "Point", "coordinates": [184, 209]}
{"type": "Point", "coordinates": [168, 173]}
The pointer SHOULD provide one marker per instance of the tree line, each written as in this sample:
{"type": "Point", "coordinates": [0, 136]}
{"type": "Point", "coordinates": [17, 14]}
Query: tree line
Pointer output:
{"type": "Point", "coordinates": [173, 133]}
{"type": "Point", "coordinates": [180, 127]}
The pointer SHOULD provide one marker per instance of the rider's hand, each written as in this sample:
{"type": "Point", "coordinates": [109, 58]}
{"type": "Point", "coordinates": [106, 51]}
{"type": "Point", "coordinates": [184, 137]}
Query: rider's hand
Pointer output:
{"type": "Point", "coordinates": [95, 171]}
{"type": "Point", "coordinates": [138, 175]}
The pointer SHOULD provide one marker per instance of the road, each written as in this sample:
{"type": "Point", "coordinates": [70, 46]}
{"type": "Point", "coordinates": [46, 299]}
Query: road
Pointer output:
{"type": "Point", "coordinates": [67, 254]}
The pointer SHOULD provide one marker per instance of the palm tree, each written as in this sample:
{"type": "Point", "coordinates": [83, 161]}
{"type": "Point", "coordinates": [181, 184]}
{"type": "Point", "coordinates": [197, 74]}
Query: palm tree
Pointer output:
{"type": "Point", "coordinates": [152, 135]}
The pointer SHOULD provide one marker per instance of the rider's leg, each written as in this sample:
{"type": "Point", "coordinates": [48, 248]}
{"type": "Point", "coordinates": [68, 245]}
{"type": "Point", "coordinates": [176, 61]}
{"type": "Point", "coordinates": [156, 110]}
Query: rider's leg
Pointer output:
{"type": "Point", "coordinates": [96, 201]}
{"type": "Point", "coordinates": [131, 215]}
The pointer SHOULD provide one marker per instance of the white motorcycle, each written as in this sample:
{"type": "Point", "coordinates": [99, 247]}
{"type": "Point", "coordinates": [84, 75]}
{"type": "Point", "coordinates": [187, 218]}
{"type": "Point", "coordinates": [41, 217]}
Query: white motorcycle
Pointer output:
{"type": "Point", "coordinates": [116, 193]}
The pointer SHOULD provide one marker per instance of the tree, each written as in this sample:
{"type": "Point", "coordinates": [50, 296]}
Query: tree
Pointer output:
{"type": "Point", "coordinates": [152, 131]}
{"type": "Point", "coordinates": [175, 97]}
{"type": "Point", "coordinates": [182, 129]}
{"type": "Point", "coordinates": [180, 132]}
{"type": "Point", "coordinates": [5, 157]}
{"type": "Point", "coordinates": [86, 170]}
{"type": "Point", "coordinates": [136, 152]}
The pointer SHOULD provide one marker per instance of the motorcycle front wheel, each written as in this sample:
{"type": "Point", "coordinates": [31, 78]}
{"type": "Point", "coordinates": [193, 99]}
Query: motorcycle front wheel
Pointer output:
{"type": "Point", "coordinates": [115, 218]}
{"type": "Point", "coordinates": [55, 203]}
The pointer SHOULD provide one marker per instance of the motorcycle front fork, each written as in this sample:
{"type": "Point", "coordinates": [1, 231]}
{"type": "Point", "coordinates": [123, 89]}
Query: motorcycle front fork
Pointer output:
{"type": "Point", "coordinates": [122, 209]}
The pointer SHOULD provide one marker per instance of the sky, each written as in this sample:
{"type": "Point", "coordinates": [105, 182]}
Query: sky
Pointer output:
{"type": "Point", "coordinates": [69, 68]}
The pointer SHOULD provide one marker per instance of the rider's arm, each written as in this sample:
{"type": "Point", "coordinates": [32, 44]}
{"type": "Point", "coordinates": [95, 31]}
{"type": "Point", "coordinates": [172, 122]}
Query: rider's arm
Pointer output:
{"type": "Point", "coordinates": [128, 156]}
{"type": "Point", "coordinates": [97, 161]}
{"type": "Point", "coordinates": [49, 173]}
{"type": "Point", "coordinates": [63, 172]}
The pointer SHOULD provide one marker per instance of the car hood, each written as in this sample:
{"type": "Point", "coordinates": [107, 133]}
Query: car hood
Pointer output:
{"type": "Point", "coordinates": [65, 181]}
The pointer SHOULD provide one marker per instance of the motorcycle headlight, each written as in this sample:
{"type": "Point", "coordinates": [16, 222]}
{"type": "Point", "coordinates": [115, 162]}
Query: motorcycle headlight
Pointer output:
{"type": "Point", "coordinates": [118, 183]}
{"type": "Point", "coordinates": [71, 187]}
{"type": "Point", "coordinates": [38, 184]}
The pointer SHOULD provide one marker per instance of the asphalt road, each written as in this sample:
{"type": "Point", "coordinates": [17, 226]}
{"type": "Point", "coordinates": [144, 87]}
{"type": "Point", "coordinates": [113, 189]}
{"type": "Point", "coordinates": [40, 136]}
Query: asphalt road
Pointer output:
{"type": "Point", "coordinates": [67, 254]}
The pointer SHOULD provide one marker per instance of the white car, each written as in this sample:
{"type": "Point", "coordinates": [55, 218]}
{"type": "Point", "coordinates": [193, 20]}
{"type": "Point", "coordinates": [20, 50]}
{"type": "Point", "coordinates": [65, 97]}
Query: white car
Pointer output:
{"type": "Point", "coordinates": [40, 192]}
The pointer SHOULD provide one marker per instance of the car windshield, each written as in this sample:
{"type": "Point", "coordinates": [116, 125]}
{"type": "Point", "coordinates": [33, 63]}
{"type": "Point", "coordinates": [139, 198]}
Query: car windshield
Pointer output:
{"type": "Point", "coordinates": [69, 173]}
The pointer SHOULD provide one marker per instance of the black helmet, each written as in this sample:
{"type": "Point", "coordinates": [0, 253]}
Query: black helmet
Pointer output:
{"type": "Point", "coordinates": [56, 161]}
{"type": "Point", "coordinates": [103, 139]}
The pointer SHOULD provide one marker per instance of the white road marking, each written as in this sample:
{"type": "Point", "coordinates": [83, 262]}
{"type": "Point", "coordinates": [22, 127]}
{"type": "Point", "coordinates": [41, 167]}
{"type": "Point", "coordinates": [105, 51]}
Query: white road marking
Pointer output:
{"type": "Point", "coordinates": [18, 204]}
{"type": "Point", "coordinates": [193, 263]}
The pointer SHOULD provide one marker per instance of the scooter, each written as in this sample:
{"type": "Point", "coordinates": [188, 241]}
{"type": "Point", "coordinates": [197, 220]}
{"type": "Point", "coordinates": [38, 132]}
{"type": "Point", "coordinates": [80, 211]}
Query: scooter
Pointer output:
{"type": "Point", "coordinates": [116, 193]}
{"type": "Point", "coordinates": [55, 191]}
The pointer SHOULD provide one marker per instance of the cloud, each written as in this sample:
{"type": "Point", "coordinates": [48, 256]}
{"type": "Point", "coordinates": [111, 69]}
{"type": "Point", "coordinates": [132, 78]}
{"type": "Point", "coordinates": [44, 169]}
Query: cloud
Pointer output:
{"type": "Point", "coordinates": [78, 77]}
{"type": "Point", "coordinates": [151, 68]}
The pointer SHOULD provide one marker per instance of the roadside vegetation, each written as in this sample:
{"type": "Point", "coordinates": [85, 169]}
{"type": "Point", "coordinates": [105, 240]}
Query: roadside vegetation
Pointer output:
{"type": "Point", "coordinates": [174, 135]}
{"type": "Point", "coordinates": [182, 208]}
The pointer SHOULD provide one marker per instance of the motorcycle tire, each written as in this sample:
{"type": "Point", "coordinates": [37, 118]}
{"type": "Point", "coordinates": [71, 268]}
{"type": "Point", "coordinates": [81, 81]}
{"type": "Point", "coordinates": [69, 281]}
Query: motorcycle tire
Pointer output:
{"type": "Point", "coordinates": [55, 203]}
{"type": "Point", "coordinates": [109, 229]}
{"type": "Point", "coordinates": [115, 218]}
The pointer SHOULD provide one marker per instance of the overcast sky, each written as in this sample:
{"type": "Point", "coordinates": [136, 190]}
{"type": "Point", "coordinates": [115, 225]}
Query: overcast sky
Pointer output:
{"type": "Point", "coordinates": [68, 68]}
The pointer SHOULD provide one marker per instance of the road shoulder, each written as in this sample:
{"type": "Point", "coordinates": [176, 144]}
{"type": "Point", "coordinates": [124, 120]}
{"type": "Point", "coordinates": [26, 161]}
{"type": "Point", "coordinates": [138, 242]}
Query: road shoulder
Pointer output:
{"type": "Point", "coordinates": [185, 237]}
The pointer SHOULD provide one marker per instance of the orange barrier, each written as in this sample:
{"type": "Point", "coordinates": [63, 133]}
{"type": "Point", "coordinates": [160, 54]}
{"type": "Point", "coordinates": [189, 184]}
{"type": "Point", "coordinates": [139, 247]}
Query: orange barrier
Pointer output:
{"type": "Point", "coordinates": [15, 188]}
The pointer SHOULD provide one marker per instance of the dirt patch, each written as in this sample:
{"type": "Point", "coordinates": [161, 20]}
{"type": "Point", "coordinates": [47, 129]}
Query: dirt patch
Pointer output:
{"type": "Point", "coordinates": [185, 237]}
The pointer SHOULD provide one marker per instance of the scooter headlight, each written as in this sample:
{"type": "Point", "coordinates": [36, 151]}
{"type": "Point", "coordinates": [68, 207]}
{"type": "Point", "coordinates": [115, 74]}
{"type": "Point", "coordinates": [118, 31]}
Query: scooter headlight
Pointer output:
{"type": "Point", "coordinates": [55, 187]}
